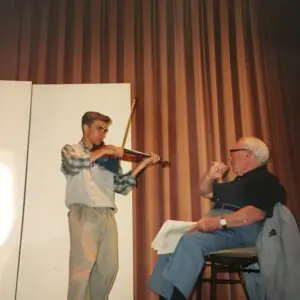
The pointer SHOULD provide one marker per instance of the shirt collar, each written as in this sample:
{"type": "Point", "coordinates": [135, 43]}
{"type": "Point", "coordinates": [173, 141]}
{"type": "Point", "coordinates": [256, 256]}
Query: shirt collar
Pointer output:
{"type": "Point", "coordinates": [253, 172]}
{"type": "Point", "coordinates": [85, 148]}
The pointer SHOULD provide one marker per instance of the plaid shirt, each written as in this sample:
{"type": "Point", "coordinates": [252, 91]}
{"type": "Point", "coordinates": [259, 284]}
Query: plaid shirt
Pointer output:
{"type": "Point", "coordinates": [72, 164]}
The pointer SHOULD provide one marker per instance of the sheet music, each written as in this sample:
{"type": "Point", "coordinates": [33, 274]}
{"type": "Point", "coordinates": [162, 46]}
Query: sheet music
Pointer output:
{"type": "Point", "coordinates": [169, 235]}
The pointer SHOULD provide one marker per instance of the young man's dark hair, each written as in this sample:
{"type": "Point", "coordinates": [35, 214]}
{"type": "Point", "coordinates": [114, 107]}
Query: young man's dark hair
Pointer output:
{"type": "Point", "coordinates": [91, 116]}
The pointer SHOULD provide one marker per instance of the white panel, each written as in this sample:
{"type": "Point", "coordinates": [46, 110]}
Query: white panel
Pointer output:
{"type": "Point", "coordinates": [56, 120]}
{"type": "Point", "coordinates": [15, 100]}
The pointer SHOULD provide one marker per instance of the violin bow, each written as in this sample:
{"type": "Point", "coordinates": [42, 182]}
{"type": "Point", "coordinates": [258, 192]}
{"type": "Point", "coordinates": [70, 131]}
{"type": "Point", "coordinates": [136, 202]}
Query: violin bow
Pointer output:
{"type": "Point", "coordinates": [128, 123]}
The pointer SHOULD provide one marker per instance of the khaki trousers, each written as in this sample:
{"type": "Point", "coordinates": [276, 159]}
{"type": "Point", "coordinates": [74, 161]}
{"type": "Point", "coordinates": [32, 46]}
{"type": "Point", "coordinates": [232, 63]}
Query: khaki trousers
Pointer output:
{"type": "Point", "coordinates": [93, 254]}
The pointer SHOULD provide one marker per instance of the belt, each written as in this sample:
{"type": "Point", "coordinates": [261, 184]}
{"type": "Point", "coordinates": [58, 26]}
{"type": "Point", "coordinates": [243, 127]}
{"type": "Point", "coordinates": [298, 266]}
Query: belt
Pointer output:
{"type": "Point", "coordinates": [226, 206]}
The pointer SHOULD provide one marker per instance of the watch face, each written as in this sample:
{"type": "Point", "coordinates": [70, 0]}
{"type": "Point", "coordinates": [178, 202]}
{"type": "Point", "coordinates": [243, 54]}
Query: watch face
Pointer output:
{"type": "Point", "coordinates": [223, 222]}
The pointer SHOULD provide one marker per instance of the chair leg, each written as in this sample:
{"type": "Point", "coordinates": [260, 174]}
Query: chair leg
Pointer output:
{"type": "Point", "coordinates": [244, 285]}
{"type": "Point", "coordinates": [199, 284]}
{"type": "Point", "coordinates": [199, 290]}
{"type": "Point", "coordinates": [213, 285]}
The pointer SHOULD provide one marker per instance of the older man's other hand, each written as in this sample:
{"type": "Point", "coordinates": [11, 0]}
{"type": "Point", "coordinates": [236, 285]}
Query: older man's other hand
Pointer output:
{"type": "Point", "coordinates": [207, 224]}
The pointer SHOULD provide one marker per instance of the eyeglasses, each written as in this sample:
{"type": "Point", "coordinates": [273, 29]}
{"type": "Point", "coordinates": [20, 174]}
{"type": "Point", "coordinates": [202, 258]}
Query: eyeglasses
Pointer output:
{"type": "Point", "coordinates": [238, 149]}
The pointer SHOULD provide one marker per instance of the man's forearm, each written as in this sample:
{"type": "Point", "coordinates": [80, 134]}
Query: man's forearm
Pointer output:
{"type": "Point", "coordinates": [206, 185]}
{"type": "Point", "coordinates": [245, 216]}
{"type": "Point", "coordinates": [124, 183]}
{"type": "Point", "coordinates": [96, 154]}
{"type": "Point", "coordinates": [140, 167]}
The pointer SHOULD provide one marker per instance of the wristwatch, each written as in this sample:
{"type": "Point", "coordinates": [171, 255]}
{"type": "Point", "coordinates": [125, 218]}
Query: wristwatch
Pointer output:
{"type": "Point", "coordinates": [223, 223]}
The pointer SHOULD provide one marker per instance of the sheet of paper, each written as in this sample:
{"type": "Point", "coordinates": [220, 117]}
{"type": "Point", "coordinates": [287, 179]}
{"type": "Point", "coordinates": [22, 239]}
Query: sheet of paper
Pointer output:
{"type": "Point", "coordinates": [169, 235]}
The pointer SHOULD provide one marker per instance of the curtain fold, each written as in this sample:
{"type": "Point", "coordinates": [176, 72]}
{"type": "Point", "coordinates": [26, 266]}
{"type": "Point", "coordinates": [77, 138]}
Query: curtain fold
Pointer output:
{"type": "Point", "coordinates": [205, 72]}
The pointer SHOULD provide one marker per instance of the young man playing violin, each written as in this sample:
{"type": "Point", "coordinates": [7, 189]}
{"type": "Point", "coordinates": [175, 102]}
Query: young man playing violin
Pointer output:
{"type": "Point", "coordinates": [90, 198]}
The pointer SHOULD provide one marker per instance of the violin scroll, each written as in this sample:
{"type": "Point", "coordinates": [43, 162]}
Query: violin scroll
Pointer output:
{"type": "Point", "coordinates": [165, 163]}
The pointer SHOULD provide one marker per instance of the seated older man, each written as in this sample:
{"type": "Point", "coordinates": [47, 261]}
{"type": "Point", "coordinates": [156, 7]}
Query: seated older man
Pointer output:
{"type": "Point", "coordinates": [240, 206]}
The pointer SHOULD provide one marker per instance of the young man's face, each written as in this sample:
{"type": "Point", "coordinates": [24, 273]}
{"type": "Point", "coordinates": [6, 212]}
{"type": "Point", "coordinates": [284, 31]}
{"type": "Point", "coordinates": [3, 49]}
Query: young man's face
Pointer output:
{"type": "Point", "coordinates": [97, 132]}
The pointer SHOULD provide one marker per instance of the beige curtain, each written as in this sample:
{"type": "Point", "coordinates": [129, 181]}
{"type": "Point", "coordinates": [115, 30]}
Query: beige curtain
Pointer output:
{"type": "Point", "coordinates": [205, 72]}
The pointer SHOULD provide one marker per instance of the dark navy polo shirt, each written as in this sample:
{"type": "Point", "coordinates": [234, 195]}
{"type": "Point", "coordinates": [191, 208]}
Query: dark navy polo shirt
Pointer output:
{"type": "Point", "coordinates": [258, 188]}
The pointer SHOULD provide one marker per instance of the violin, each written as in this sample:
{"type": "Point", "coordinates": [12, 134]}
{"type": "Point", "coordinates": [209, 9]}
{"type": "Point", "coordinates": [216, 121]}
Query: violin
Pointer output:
{"type": "Point", "coordinates": [113, 163]}
{"type": "Point", "coordinates": [136, 156]}
{"type": "Point", "coordinates": [132, 156]}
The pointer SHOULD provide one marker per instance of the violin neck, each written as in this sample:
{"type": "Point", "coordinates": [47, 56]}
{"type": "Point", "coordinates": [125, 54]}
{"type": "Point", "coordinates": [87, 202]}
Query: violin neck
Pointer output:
{"type": "Point", "coordinates": [136, 152]}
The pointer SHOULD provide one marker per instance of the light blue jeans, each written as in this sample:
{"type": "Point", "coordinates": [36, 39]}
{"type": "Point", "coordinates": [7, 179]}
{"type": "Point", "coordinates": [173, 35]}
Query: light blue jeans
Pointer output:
{"type": "Point", "coordinates": [182, 268]}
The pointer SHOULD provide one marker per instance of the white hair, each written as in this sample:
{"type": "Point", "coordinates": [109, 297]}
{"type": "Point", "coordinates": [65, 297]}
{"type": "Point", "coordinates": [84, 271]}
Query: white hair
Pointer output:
{"type": "Point", "coordinates": [257, 147]}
